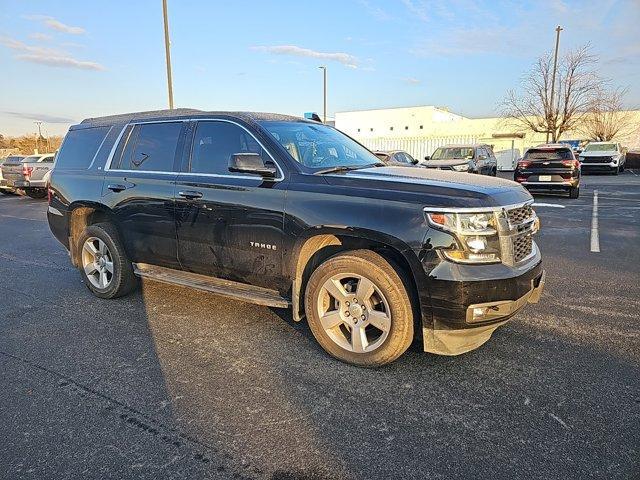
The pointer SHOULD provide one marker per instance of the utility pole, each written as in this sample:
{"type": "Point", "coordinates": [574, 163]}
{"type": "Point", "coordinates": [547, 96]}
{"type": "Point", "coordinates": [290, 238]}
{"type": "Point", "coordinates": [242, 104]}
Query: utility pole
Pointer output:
{"type": "Point", "coordinates": [553, 79]}
{"type": "Point", "coordinates": [39, 123]}
{"type": "Point", "coordinates": [167, 49]}
{"type": "Point", "coordinates": [324, 89]}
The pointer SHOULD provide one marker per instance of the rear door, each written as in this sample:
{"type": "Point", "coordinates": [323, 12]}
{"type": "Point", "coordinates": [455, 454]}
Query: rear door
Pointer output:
{"type": "Point", "coordinates": [139, 187]}
{"type": "Point", "coordinates": [229, 225]}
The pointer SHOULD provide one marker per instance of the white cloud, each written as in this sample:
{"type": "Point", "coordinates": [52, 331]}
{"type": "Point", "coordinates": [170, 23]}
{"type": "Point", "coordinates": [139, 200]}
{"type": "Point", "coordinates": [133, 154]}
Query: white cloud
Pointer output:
{"type": "Point", "coordinates": [43, 37]}
{"type": "Point", "coordinates": [340, 57]}
{"type": "Point", "coordinates": [68, 62]}
{"type": "Point", "coordinates": [40, 116]}
{"type": "Point", "coordinates": [374, 10]}
{"type": "Point", "coordinates": [57, 25]}
{"type": "Point", "coordinates": [418, 8]}
{"type": "Point", "coordinates": [412, 81]}
{"type": "Point", "coordinates": [52, 57]}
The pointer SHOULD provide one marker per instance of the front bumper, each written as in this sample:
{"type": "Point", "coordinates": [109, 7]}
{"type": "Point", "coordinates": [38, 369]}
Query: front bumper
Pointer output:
{"type": "Point", "coordinates": [469, 302]}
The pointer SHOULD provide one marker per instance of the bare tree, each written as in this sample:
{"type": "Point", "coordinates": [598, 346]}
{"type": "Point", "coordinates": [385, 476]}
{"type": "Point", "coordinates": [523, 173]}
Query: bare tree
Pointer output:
{"type": "Point", "coordinates": [577, 86]}
{"type": "Point", "coordinates": [606, 118]}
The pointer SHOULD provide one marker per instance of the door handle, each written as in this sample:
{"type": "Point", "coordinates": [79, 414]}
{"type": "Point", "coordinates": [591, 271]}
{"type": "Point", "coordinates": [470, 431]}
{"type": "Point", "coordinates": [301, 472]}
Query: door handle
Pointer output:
{"type": "Point", "coordinates": [190, 194]}
{"type": "Point", "coordinates": [116, 187]}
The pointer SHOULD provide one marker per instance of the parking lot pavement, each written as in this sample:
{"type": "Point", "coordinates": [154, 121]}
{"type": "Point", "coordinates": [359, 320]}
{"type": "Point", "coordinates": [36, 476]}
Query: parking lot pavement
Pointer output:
{"type": "Point", "coordinates": [174, 383]}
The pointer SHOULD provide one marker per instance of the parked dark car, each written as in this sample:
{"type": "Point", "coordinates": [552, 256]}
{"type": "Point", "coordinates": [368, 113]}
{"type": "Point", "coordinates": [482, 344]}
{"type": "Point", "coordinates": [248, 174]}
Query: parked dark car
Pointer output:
{"type": "Point", "coordinates": [476, 158]}
{"type": "Point", "coordinates": [550, 168]}
{"type": "Point", "coordinates": [396, 157]}
{"type": "Point", "coordinates": [290, 213]}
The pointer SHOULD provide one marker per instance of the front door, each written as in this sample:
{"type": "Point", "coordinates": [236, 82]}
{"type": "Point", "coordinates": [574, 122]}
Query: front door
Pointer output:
{"type": "Point", "coordinates": [139, 187]}
{"type": "Point", "coordinates": [229, 225]}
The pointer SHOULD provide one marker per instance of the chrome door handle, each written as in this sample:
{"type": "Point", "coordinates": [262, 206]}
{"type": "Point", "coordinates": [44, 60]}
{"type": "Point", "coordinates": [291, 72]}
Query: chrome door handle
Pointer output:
{"type": "Point", "coordinates": [190, 194]}
{"type": "Point", "coordinates": [116, 187]}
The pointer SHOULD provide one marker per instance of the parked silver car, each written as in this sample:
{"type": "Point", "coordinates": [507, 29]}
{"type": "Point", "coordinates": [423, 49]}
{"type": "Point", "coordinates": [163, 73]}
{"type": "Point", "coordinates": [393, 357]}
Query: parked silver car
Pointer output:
{"type": "Point", "coordinates": [27, 173]}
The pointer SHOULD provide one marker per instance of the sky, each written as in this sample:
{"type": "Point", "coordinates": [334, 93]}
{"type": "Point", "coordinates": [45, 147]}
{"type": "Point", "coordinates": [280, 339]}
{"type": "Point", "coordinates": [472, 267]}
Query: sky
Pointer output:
{"type": "Point", "coordinates": [62, 61]}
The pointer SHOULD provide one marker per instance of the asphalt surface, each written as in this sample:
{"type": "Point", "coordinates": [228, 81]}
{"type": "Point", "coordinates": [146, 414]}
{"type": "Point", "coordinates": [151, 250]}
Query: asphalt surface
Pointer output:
{"type": "Point", "coordinates": [174, 383]}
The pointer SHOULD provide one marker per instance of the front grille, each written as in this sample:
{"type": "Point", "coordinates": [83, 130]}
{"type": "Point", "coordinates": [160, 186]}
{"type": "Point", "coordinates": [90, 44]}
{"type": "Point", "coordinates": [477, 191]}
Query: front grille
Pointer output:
{"type": "Point", "coordinates": [522, 247]}
{"type": "Point", "coordinates": [520, 214]}
{"type": "Point", "coordinates": [596, 159]}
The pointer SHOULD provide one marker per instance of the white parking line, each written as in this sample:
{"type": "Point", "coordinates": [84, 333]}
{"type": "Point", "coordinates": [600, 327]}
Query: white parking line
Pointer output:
{"type": "Point", "coordinates": [552, 205]}
{"type": "Point", "coordinates": [595, 238]}
{"type": "Point", "coordinates": [632, 172]}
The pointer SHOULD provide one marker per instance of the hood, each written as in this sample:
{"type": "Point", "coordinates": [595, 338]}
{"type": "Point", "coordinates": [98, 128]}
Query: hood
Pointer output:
{"type": "Point", "coordinates": [605, 153]}
{"type": "Point", "coordinates": [445, 163]}
{"type": "Point", "coordinates": [435, 188]}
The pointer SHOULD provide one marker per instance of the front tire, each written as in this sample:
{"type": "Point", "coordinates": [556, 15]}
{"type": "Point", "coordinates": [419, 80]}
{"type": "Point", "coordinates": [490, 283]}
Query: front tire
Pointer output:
{"type": "Point", "coordinates": [103, 263]}
{"type": "Point", "coordinates": [36, 193]}
{"type": "Point", "coordinates": [359, 310]}
{"type": "Point", "coordinates": [574, 192]}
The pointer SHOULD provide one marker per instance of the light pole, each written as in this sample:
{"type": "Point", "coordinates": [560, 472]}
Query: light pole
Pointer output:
{"type": "Point", "coordinates": [39, 123]}
{"type": "Point", "coordinates": [324, 89]}
{"type": "Point", "coordinates": [167, 50]}
{"type": "Point", "coordinates": [553, 79]}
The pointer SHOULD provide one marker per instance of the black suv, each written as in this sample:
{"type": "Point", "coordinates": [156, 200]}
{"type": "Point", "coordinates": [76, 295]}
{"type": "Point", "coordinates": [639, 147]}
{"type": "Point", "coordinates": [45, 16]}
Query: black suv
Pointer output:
{"type": "Point", "coordinates": [291, 213]}
{"type": "Point", "coordinates": [549, 168]}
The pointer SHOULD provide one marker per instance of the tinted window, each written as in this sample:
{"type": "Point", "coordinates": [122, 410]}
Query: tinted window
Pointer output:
{"type": "Point", "coordinates": [549, 154]}
{"type": "Point", "coordinates": [450, 153]}
{"type": "Point", "coordinates": [79, 148]}
{"type": "Point", "coordinates": [401, 158]}
{"type": "Point", "coordinates": [152, 147]}
{"type": "Point", "coordinates": [215, 142]}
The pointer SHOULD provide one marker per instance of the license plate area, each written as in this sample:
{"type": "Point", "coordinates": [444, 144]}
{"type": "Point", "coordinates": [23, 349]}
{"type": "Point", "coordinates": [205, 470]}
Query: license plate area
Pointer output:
{"type": "Point", "coordinates": [544, 178]}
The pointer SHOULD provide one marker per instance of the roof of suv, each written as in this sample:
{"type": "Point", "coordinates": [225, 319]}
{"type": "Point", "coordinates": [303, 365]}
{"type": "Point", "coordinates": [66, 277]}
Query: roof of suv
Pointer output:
{"type": "Point", "coordinates": [464, 145]}
{"type": "Point", "coordinates": [179, 113]}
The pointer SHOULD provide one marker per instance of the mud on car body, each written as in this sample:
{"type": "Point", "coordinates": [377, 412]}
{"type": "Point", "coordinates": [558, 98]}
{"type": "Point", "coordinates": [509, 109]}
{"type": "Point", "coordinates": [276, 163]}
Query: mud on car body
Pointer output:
{"type": "Point", "coordinates": [286, 212]}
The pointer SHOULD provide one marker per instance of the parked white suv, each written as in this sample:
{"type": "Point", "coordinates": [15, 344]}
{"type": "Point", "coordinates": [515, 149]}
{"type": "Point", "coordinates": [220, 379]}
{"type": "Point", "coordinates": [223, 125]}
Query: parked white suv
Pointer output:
{"type": "Point", "coordinates": [602, 157]}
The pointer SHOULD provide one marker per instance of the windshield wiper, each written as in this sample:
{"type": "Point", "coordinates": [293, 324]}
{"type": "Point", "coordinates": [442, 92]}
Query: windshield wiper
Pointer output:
{"type": "Point", "coordinates": [347, 168]}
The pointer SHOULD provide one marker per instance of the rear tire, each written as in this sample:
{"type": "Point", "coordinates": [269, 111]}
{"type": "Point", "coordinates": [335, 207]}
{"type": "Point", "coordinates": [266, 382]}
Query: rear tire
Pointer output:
{"type": "Point", "coordinates": [36, 193]}
{"type": "Point", "coordinates": [374, 303]}
{"type": "Point", "coordinates": [574, 192]}
{"type": "Point", "coordinates": [6, 192]}
{"type": "Point", "coordinates": [105, 268]}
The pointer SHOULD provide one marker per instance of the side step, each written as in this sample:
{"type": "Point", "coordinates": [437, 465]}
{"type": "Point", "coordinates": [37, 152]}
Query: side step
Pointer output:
{"type": "Point", "coordinates": [226, 288]}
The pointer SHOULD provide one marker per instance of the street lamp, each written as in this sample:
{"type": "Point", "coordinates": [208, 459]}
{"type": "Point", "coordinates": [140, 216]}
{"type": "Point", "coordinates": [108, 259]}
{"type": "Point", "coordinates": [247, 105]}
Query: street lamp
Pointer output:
{"type": "Point", "coordinates": [39, 123]}
{"type": "Point", "coordinates": [553, 79]}
{"type": "Point", "coordinates": [167, 50]}
{"type": "Point", "coordinates": [324, 89]}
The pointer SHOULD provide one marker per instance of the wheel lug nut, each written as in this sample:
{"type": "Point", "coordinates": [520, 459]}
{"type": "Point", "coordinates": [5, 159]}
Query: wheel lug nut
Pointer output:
{"type": "Point", "coordinates": [362, 317]}
{"type": "Point", "coordinates": [355, 300]}
{"type": "Point", "coordinates": [347, 303]}
{"type": "Point", "coordinates": [347, 313]}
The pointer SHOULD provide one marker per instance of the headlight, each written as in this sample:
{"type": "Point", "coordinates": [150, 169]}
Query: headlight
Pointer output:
{"type": "Point", "coordinates": [615, 158]}
{"type": "Point", "coordinates": [461, 168]}
{"type": "Point", "coordinates": [476, 234]}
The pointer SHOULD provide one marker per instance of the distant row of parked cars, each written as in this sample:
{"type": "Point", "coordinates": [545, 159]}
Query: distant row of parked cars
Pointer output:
{"type": "Point", "coordinates": [548, 167]}
{"type": "Point", "coordinates": [26, 173]}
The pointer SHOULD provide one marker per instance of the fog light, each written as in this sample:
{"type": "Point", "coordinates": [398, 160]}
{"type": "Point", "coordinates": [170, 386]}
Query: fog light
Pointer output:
{"type": "Point", "coordinates": [477, 244]}
{"type": "Point", "coordinates": [478, 313]}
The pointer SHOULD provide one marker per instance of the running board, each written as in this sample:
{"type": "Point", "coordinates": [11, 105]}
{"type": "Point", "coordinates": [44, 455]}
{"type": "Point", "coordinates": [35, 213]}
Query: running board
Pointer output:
{"type": "Point", "coordinates": [226, 288]}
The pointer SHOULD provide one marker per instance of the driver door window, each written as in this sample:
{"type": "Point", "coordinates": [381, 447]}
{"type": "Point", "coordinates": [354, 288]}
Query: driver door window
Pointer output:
{"type": "Point", "coordinates": [214, 144]}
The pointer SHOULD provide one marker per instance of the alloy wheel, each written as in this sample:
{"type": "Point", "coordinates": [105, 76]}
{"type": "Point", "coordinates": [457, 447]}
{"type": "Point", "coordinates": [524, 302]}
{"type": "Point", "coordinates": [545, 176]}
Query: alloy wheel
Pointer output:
{"type": "Point", "coordinates": [354, 313]}
{"type": "Point", "coordinates": [97, 262]}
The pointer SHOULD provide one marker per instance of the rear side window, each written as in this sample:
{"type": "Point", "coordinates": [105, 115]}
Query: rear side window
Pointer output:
{"type": "Point", "coordinates": [549, 154]}
{"type": "Point", "coordinates": [215, 142]}
{"type": "Point", "coordinates": [79, 148]}
{"type": "Point", "coordinates": [151, 147]}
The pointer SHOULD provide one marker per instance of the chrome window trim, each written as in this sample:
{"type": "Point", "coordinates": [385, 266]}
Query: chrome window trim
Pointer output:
{"type": "Point", "coordinates": [107, 165]}
{"type": "Point", "coordinates": [476, 209]}
{"type": "Point", "coordinates": [99, 148]}
{"type": "Point", "coordinates": [108, 168]}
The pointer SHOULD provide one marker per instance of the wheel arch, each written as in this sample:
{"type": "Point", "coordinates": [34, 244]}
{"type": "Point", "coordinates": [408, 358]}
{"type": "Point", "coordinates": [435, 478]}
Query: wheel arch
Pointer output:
{"type": "Point", "coordinates": [81, 215]}
{"type": "Point", "coordinates": [318, 244]}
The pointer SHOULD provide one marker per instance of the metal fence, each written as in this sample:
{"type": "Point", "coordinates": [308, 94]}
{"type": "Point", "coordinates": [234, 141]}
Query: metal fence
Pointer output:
{"type": "Point", "coordinates": [418, 147]}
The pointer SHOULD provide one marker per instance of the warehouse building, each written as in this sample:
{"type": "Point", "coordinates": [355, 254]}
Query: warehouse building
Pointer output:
{"type": "Point", "coordinates": [420, 130]}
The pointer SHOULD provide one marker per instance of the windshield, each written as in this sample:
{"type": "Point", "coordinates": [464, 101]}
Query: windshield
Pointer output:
{"type": "Point", "coordinates": [600, 147]}
{"type": "Point", "coordinates": [318, 146]}
{"type": "Point", "coordinates": [13, 159]}
{"type": "Point", "coordinates": [451, 153]}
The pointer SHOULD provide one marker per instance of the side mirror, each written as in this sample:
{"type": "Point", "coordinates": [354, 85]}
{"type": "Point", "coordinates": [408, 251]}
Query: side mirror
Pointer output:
{"type": "Point", "coordinates": [252, 163]}
{"type": "Point", "coordinates": [427, 157]}
{"type": "Point", "coordinates": [414, 161]}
